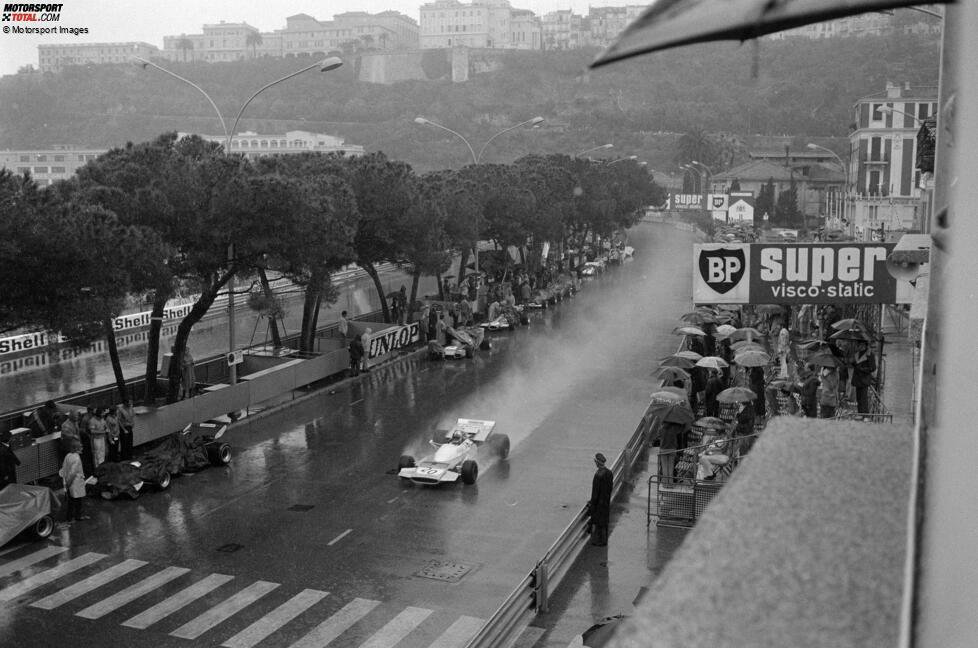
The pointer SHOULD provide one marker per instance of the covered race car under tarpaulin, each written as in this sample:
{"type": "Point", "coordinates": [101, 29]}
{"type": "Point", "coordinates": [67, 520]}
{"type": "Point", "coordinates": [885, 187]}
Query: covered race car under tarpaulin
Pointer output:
{"type": "Point", "coordinates": [455, 454]}
{"type": "Point", "coordinates": [192, 449]}
{"type": "Point", "coordinates": [25, 508]}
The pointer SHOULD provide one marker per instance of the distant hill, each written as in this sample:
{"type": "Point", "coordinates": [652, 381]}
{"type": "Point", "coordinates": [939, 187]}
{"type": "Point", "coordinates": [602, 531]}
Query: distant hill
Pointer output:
{"type": "Point", "coordinates": [801, 88]}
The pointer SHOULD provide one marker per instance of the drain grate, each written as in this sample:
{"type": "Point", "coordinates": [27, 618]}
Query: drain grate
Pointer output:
{"type": "Point", "coordinates": [301, 508]}
{"type": "Point", "coordinates": [231, 547]}
{"type": "Point", "coordinates": [450, 571]}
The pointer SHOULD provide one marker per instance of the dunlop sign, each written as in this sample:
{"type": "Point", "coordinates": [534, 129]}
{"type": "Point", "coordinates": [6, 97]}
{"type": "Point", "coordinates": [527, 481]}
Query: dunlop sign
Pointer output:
{"type": "Point", "coordinates": [795, 273]}
{"type": "Point", "coordinates": [392, 339]}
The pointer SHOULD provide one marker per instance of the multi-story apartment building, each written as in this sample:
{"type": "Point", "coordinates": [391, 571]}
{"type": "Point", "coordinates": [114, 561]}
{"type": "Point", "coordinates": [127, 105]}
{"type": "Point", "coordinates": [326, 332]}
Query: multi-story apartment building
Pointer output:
{"type": "Point", "coordinates": [604, 24]}
{"type": "Point", "coordinates": [51, 58]}
{"type": "Point", "coordinates": [885, 181]}
{"type": "Point", "coordinates": [48, 165]}
{"type": "Point", "coordinates": [562, 29]}
{"type": "Point", "coordinates": [482, 23]}
{"type": "Point", "coordinates": [867, 24]}
{"type": "Point", "coordinates": [303, 34]}
{"type": "Point", "coordinates": [254, 145]}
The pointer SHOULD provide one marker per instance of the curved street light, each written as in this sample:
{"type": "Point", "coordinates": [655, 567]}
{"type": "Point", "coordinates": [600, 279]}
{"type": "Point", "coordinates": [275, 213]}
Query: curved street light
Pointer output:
{"type": "Point", "coordinates": [630, 157]}
{"type": "Point", "coordinates": [845, 170]}
{"type": "Point", "coordinates": [325, 65]}
{"type": "Point", "coordinates": [476, 158]}
{"type": "Point", "coordinates": [596, 148]}
{"type": "Point", "coordinates": [889, 110]}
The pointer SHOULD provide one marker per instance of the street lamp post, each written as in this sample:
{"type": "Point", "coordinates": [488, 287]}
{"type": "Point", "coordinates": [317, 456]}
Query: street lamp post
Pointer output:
{"type": "Point", "coordinates": [845, 170]}
{"type": "Point", "coordinates": [596, 148]}
{"type": "Point", "coordinates": [477, 157]}
{"type": "Point", "coordinates": [706, 187]}
{"type": "Point", "coordinates": [325, 65]}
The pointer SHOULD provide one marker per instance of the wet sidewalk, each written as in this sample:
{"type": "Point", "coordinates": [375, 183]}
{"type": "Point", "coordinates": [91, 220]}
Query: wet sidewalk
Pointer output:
{"type": "Point", "coordinates": [607, 581]}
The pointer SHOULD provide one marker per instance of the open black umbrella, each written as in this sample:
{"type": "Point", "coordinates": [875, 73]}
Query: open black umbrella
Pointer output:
{"type": "Point", "coordinates": [677, 412]}
{"type": "Point", "coordinates": [672, 23]}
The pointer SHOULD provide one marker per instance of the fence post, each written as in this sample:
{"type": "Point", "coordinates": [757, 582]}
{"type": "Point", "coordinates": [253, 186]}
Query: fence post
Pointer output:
{"type": "Point", "coordinates": [540, 586]}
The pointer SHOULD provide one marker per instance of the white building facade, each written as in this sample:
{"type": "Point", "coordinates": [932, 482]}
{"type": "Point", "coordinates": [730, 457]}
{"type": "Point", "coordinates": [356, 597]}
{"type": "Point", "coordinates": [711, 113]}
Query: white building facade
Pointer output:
{"type": "Point", "coordinates": [47, 166]}
{"type": "Point", "coordinates": [253, 145]}
{"type": "Point", "coordinates": [481, 23]}
{"type": "Point", "coordinates": [885, 181]}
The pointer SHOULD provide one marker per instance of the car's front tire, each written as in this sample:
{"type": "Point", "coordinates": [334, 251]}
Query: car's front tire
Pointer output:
{"type": "Point", "coordinates": [500, 445]}
{"type": "Point", "coordinates": [219, 454]}
{"type": "Point", "coordinates": [43, 527]}
{"type": "Point", "coordinates": [164, 480]}
{"type": "Point", "coordinates": [470, 471]}
{"type": "Point", "coordinates": [406, 461]}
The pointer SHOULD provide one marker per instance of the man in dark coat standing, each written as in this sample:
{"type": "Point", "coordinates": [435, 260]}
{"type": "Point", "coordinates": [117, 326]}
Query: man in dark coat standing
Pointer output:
{"type": "Point", "coordinates": [863, 368]}
{"type": "Point", "coordinates": [599, 508]}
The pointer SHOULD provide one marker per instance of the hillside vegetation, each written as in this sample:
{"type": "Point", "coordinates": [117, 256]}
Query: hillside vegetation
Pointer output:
{"type": "Point", "coordinates": [796, 87]}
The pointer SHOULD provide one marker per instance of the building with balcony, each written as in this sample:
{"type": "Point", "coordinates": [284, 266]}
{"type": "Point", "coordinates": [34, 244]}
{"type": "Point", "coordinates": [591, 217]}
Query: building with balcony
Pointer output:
{"type": "Point", "coordinates": [481, 23]}
{"type": "Point", "coordinates": [47, 166]}
{"type": "Point", "coordinates": [51, 58]}
{"type": "Point", "coordinates": [253, 145]}
{"type": "Point", "coordinates": [883, 169]}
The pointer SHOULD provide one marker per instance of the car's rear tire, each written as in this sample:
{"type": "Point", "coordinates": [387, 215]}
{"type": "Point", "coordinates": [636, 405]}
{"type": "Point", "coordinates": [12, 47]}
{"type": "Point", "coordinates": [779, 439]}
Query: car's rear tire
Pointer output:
{"type": "Point", "coordinates": [164, 480]}
{"type": "Point", "coordinates": [469, 353]}
{"type": "Point", "coordinates": [500, 445]}
{"type": "Point", "coordinates": [108, 494]}
{"type": "Point", "coordinates": [406, 461]}
{"type": "Point", "coordinates": [470, 471]}
{"type": "Point", "coordinates": [219, 454]}
{"type": "Point", "coordinates": [43, 527]}
{"type": "Point", "coordinates": [133, 494]}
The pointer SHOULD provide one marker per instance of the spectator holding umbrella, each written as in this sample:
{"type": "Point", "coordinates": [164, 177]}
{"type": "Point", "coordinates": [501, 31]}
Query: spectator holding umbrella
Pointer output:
{"type": "Point", "coordinates": [828, 399]}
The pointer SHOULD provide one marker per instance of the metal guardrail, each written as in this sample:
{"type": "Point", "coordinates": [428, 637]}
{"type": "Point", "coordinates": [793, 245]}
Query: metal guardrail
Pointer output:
{"type": "Point", "coordinates": [532, 594]}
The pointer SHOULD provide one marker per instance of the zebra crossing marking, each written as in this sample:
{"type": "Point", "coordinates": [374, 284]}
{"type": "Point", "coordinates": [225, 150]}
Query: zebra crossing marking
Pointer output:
{"type": "Point", "coordinates": [225, 610]}
{"type": "Point", "coordinates": [30, 559]}
{"type": "Point", "coordinates": [397, 628]}
{"type": "Point", "coordinates": [48, 576]}
{"type": "Point", "coordinates": [132, 593]}
{"type": "Point", "coordinates": [181, 599]}
{"type": "Point", "coordinates": [459, 633]}
{"type": "Point", "coordinates": [82, 587]}
{"type": "Point", "coordinates": [275, 619]}
{"type": "Point", "coordinates": [337, 624]}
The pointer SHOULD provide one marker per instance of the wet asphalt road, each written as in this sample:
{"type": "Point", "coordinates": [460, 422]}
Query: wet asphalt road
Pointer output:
{"type": "Point", "coordinates": [308, 522]}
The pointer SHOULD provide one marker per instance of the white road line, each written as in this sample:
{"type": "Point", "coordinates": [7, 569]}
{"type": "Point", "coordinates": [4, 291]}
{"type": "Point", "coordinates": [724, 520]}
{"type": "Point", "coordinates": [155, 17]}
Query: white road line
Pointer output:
{"type": "Point", "coordinates": [459, 633]}
{"type": "Point", "coordinates": [357, 402]}
{"type": "Point", "coordinates": [4, 552]}
{"type": "Point", "coordinates": [45, 577]}
{"type": "Point", "coordinates": [397, 628]}
{"type": "Point", "coordinates": [85, 586]}
{"type": "Point", "coordinates": [30, 559]}
{"type": "Point", "coordinates": [179, 600]}
{"type": "Point", "coordinates": [132, 593]}
{"type": "Point", "coordinates": [337, 624]}
{"type": "Point", "coordinates": [224, 610]}
{"type": "Point", "coordinates": [338, 538]}
{"type": "Point", "coordinates": [393, 499]}
{"type": "Point", "coordinates": [275, 619]}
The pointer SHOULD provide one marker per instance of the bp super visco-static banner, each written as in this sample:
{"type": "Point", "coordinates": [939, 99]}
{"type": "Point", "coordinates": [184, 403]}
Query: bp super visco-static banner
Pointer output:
{"type": "Point", "coordinates": [795, 273]}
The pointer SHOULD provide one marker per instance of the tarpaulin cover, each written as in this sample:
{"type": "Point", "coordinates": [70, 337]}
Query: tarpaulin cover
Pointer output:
{"type": "Point", "coordinates": [21, 505]}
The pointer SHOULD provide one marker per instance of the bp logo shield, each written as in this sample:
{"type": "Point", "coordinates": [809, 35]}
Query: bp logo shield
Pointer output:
{"type": "Point", "coordinates": [722, 268]}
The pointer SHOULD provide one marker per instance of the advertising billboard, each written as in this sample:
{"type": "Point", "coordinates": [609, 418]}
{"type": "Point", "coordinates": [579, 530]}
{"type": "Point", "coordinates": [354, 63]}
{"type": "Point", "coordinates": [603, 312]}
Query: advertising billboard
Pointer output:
{"type": "Point", "coordinates": [795, 273]}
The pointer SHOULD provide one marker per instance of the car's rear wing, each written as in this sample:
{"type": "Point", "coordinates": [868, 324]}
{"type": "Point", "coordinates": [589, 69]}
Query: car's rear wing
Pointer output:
{"type": "Point", "coordinates": [474, 429]}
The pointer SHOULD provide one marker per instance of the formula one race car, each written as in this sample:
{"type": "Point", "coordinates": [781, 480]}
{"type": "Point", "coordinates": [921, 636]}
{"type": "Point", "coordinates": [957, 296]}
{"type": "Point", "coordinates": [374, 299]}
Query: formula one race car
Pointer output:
{"type": "Point", "coordinates": [455, 455]}
{"type": "Point", "coordinates": [507, 319]}
{"type": "Point", "coordinates": [462, 343]}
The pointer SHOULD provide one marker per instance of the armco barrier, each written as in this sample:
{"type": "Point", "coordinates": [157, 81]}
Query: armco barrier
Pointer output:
{"type": "Point", "coordinates": [532, 595]}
